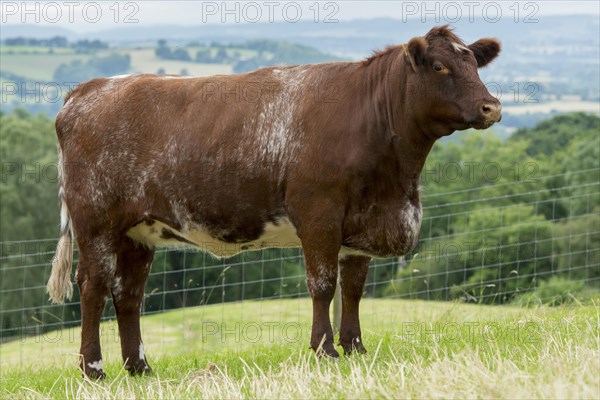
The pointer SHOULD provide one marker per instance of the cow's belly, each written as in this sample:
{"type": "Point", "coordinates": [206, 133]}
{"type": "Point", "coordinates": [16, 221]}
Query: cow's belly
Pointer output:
{"type": "Point", "coordinates": [153, 233]}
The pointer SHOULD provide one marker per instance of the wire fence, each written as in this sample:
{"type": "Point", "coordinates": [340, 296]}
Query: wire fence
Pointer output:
{"type": "Point", "coordinates": [521, 242]}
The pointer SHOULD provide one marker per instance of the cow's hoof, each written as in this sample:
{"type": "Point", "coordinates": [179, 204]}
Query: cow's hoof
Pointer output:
{"type": "Point", "coordinates": [137, 369]}
{"type": "Point", "coordinates": [327, 350]}
{"type": "Point", "coordinates": [355, 345]}
{"type": "Point", "coordinates": [94, 374]}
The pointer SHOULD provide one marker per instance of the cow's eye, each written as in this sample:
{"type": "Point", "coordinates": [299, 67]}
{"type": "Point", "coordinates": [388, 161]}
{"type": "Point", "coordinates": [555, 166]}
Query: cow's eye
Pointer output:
{"type": "Point", "coordinates": [438, 67]}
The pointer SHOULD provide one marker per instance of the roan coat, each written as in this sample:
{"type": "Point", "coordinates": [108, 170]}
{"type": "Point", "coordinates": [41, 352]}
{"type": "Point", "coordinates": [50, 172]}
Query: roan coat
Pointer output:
{"type": "Point", "coordinates": [325, 156]}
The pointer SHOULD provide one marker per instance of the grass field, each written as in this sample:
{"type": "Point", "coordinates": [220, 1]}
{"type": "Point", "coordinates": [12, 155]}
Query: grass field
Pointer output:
{"type": "Point", "coordinates": [554, 106]}
{"type": "Point", "coordinates": [38, 50]}
{"type": "Point", "coordinates": [41, 64]}
{"type": "Point", "coordinates": [145, 61]}
{"type": "Point", "coordinates": [37, 67]}
{"type": "Point", "coordinates": [260, 350]}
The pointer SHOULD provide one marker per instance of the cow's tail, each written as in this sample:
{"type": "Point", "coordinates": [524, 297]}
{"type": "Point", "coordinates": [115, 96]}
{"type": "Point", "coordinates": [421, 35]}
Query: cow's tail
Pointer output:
{"type": "Point", "coordinates": [60, 285]}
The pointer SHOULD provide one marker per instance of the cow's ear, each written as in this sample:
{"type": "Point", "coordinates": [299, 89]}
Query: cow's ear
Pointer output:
{"type": "Point", "coordinates": [417, 47]}
{"type": "Point", "coordinates": [485, 50]}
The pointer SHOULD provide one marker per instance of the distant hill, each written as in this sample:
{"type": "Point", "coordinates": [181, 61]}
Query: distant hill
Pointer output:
{"type": "Point", "coordinates": [355, 37]}
{"type": "Point", "coordinates": [35, 31]}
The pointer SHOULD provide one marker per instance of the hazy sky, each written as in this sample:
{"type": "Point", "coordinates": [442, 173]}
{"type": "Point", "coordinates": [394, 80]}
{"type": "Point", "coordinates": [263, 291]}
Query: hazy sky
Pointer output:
{"type": "Point", "coordinates": [82, 16]}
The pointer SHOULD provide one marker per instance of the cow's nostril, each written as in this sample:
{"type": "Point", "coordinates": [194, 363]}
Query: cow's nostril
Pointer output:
{"type": "Point", "coordinates": [487, 108]}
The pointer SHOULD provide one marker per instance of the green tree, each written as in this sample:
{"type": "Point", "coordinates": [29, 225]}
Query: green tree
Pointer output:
{"type": "Point", "coordinates": [77, 71]}
{"type": "Point", "coordinates": [29, 177]}
{"type": "Point", "coordinates": [554, 134]}
{"type": "Point", "coordinates": [579, 185]}
{"type": "Point", "coordinates": [576, 244]}
{"type": "Point", "coordinates": [221, 57]}
{"type": "Point", "coordinates": [29, 220]}
{"type": "Point", "coordinates": [204, 56]}
{"type": "Point", "coordinates": [492, 257]}
{"type": "Point", "coordinates": [459, 175]}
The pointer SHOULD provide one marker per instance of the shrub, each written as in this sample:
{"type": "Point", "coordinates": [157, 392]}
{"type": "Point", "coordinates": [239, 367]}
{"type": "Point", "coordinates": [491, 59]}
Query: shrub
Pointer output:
{"type": "Point", "coordinates": [558, 291]}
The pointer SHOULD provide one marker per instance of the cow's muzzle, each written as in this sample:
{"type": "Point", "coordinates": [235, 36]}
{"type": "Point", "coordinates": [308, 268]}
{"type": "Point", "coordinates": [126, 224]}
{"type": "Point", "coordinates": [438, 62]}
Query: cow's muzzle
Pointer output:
{"type": "Point", "coordinates": [490, 112]}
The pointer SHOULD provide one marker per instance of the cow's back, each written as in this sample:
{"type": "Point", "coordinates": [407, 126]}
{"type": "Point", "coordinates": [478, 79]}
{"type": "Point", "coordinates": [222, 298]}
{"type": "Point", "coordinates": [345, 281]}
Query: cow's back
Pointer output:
{"type": "Point", "coordinates": [211, 151]}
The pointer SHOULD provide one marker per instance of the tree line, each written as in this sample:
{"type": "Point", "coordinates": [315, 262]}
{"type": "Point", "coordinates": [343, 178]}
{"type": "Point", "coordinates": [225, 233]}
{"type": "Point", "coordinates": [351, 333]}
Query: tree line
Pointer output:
{"type": "Point", "coordinates": [265, 53]}
{"type": "Point", "coordinates": [80, 46]}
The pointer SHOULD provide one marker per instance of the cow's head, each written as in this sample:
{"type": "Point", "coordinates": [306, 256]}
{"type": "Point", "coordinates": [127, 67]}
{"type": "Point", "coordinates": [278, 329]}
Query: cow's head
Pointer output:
{"type": "Point", "coordinates": [444, 78]}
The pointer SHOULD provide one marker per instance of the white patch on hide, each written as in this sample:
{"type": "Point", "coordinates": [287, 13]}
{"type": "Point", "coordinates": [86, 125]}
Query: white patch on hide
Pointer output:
{"type": "Point", "coordinates": [110, 263]}
{"type": "Point", "coordinates": [347, 251]}
{"type": "Point", "coordinates": [280, 235]}
{"type": "Point", "coordinates": [142, 354]}
{"type": "Point", "coordinates": [396, 229]}
{"type": "Point", "coordinates": [274, 127]}
{"type": "Point", "coordinates": [95, 187]}
{"type": "Point", "coordinates": [411, 221]}
{"type": "Point", "coordinates": [167, 77]}
{"type": "Point", "coordinates": [146, 175]}
{"type": "Point", "coordinates": [97, 365]}
{"type": "Point", "coordinates": [323, 280]}
{"type": "Point", "coordinates": [108, 258]}
{"type": "Point", "coordinates": [459, 48]}
{"type": "Point", "coordinates": [117, 287]}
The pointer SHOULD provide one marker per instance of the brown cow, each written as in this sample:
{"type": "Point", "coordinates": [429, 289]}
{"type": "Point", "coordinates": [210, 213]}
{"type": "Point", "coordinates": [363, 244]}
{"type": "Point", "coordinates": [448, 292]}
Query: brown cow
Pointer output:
{"type": "Point", "coordinates": [326, 157]}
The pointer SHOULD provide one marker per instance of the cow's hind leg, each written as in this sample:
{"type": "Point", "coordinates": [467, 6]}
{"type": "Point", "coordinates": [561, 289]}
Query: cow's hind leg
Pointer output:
{"type": "Point", "coordinates": [94, 273]}
{"type": "Point", "coordinates": [353, 274]}
{"type": "Point", "coordinates": [133, 265]}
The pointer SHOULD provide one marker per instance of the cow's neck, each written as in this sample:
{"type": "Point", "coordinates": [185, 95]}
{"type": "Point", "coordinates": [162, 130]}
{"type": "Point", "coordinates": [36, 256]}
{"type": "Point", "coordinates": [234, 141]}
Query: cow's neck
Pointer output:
{"type": "Point", "coordinates": [410, 151]}
{"type": "Point", "coordinates": [405, 142]}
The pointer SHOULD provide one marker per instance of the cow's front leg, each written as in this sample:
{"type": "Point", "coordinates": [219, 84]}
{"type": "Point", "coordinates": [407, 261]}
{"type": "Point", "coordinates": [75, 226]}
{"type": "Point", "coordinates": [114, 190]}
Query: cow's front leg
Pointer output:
{"type": "Point", "coordinates": [321, 276]}
{"type": "Point", "coordinates": [92, 277]}
{"type": "Point", "coordinates": [320, 233]}
{"type": "Point", "coordinates": [133, 266]}
{"type": "Point", "coordinates": [353, 274]}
